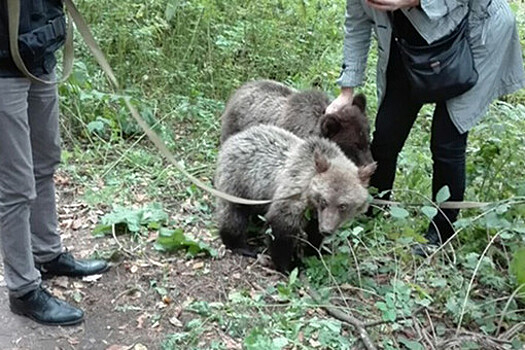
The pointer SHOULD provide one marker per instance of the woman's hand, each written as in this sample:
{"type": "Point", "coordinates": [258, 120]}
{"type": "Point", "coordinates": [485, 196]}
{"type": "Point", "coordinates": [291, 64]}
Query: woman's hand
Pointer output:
{"type": "Point", "coordinates": [391, 5]}
{"type": "Point", "coordinates": [345, 97]}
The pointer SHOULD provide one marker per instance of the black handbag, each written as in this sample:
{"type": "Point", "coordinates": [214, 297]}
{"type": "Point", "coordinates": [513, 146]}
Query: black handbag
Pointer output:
{"type": "Point", "coordinates": [441, 70]}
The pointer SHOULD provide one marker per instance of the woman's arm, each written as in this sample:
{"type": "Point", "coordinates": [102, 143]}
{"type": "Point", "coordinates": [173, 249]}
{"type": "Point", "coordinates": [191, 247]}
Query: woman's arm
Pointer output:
{"type": "Point", "coordinates": [356, 44]}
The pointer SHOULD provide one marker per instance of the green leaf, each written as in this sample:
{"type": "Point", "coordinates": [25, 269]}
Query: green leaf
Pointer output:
{"type": "Point", "coordinates": [293, 277]}
{"type": "Point", "coordinates": [173, 240]}
{"type": "Point", "coordinates": [443, 194]}
{"type": "Point", "coordinates": [389, 315]}
{"type": "Point", "coordinates": [517, 266]}
{"type": "Point", "coordinates": [411, 345]}
{"type": "Point", "coordinates": [95, 126]}
{"type": "Point", "coordinates": [398, 212]}
{"type": "Point", "coordinates": [280, 342]}
{"type": "Point", "coordinates": [429, 212]}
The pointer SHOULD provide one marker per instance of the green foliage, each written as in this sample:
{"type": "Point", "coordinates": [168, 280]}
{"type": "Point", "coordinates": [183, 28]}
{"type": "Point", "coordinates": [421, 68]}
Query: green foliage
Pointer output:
{"type": "Point", "coordinates": [179, 61]}
{"type": "Point", "coordinates": [134, 221]}
{"type": "Point", "coordinates": [517, 266]}
{"type": "Point", "coordinates": [173, 240]}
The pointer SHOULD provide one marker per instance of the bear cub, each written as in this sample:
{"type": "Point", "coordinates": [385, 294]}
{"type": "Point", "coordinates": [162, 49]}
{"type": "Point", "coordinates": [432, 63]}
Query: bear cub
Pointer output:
{"type": "Point", "coordinates": [300, 112]}
{"type": "Point", "coordinates": [268, 162]}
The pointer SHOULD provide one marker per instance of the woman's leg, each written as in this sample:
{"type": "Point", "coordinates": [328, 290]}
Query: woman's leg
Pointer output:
{"type": "Point", "coordinates": [395, 118]}
{"type": "Point", "coordinates": [448, 148]}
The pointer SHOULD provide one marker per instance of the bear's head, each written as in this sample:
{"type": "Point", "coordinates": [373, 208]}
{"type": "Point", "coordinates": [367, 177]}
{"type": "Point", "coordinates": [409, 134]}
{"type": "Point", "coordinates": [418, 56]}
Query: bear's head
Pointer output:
{"type": "Point", "coordinates": [349, 128]}
{"type": "Point", "coordinates": [338, 192]}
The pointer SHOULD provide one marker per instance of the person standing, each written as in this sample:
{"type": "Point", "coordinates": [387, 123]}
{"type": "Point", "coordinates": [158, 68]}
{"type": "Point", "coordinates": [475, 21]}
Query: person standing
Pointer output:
{"type": "Point", "coordinates": [29, 155]}
{"type": "Point", "coordinates": [497, 54]}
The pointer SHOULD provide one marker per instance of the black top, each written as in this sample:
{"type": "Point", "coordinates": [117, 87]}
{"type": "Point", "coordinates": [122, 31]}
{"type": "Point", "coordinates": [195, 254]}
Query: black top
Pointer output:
{"type": "Point", "coordinates": [404, 29]}
{"type": "Point", "coordinates": [41, 32]}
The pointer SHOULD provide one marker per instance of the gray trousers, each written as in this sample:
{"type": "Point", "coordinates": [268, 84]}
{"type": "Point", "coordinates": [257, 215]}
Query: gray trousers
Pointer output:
{"type": "Point", "coordinates": [29, 155]}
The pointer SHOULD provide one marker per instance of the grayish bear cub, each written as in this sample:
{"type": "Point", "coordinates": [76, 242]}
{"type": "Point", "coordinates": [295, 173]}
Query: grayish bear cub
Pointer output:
{"type": "Point", "coordinates": [302, 113]}
{"type": "Point", "coordinates": [267, 162]}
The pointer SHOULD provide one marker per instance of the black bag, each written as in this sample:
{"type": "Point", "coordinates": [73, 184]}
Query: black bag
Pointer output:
{"type": "Point", "coordinates": [441, 70]}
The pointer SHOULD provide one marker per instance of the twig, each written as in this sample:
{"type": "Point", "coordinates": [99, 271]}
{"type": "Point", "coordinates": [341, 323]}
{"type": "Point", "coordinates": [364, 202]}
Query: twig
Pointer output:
{"type": "Point", "coordinates": [486, 341]}
{"type": "Point", "coordinates": [504, 312]}
{"type": "Point", "coordinates": [121, 247]}
{"type": "Point", "coordinates": [431, 324]}
{"type": "Point", "coordinates": [355, 262]}
{"type": "Point", "coordinates": [349, 319]}
{"type": "Point", "coordinates": [402, 318]}
{"type": "Point", "coordinates": [472, 279]}
{"type": "Point", "coordinates": [513, 331]}
{"type": "Point", "coordinates": [127, 291]}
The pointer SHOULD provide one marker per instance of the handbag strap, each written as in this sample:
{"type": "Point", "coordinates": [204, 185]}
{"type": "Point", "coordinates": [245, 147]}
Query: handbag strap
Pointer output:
{"type": "Point", "coordinates": [13, 19]}
{"type": "Point", "coordinates": [390, 15]}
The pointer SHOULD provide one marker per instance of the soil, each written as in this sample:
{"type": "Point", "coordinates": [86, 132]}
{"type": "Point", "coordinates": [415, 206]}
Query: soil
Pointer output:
{"type": "Point", "coordinates": [140, 300]}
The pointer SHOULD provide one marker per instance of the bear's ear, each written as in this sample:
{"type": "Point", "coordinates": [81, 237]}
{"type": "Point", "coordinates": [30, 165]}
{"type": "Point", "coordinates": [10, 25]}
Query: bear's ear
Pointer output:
{"type": "Point", "coordinates": [360, 101]}
{"type": "Point", "coordinates": [330, 125]}
{"type": "Point", "coordinates": [366, 172]}
{"type": "Point", "coordinates": [321, 163]}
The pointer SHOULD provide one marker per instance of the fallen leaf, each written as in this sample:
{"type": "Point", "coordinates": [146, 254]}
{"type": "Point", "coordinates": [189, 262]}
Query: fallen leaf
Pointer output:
{"type": "Point", "coordinates": [73, 341]}
{"type": "Point", "coordinates": [314, 343]}
{"type": "Point", "coordinates": [61, 282]}
{"type": "Point", "coordinates": [231, 344]}
{"type": "Point", "coordinates": [161, 305]}
{"type": "Point", "coordinates": [141, 319]}
{"type": "Point", "coordinates": [77, 224]}
{"type": "Point", "coordinates": [78, 285]}
{"type": "Point", "coordinates": [118, 347]}
{"type": "Point", "coordinates": [198, 265]}
{"type": "Point", "coordinates": [92, 278]}
{"type": "Point", "coordinates": [57, 293]}
{"type": "Point", "coordinates": [176, 322]}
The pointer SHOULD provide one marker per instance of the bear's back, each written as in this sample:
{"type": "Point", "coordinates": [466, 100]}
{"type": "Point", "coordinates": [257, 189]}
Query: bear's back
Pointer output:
{"type": "Point", "coordinates": [250, 161]}
{"type": "Point", "coordinates": [256, 102]}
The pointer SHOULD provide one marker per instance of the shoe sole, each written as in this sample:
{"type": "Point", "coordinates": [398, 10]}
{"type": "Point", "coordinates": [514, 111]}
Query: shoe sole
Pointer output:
{"type": "Point", "coordinates": [68, 323]}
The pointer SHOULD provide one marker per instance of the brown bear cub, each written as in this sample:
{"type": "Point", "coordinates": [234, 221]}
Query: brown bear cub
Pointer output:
{"type": "Point", "coordinates": [300, 112]}
{"type": "Point", "coordinates": [311, 175]}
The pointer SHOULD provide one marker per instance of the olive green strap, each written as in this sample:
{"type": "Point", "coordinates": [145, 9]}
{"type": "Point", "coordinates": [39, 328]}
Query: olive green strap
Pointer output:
{"type": "Point", "coordinates": [13, 15]}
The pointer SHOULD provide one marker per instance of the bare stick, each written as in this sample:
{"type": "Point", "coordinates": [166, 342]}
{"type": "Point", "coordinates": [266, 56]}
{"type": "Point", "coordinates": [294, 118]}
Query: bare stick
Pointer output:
{"type": "Point", "coordinates": [504, 312]}
{"type": "Point", "coordinates": [121, 247]}
{"type": "Point", "coordinates": [472, 279]}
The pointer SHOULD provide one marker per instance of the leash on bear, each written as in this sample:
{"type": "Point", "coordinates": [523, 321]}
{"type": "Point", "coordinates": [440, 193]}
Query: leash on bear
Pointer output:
{"type": "Point", "coordinates": [13, 7]}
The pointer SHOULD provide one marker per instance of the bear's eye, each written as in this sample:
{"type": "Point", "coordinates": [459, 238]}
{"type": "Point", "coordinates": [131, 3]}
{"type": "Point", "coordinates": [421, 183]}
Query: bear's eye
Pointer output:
{"type": "Point", "coordinates": [323, 203]}
{"type": "Point", "coordinates": [343, 207]}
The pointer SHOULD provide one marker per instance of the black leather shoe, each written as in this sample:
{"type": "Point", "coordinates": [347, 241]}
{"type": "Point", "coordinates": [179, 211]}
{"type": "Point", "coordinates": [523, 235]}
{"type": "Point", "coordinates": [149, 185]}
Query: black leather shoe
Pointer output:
{"type": "Point", "coordinates": [66, 265]}
{"type": "Point", "coordinates": [44, 308]}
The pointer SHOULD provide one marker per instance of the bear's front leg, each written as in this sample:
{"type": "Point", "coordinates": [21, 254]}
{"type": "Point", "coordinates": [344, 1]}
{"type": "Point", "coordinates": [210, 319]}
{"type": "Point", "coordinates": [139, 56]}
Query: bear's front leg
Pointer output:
{"type": "Point", "coordinates": [284, 217]}
{"type": "Point", "coordinates": [315, 239]}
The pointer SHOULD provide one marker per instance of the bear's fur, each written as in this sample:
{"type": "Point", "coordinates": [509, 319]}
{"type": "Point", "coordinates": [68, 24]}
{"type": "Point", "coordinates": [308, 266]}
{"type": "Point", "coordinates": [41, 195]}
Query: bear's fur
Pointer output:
{"type": "Point", "coordinates": [268, 162]}
{"type": "Point", "coordinates": [300, 112]}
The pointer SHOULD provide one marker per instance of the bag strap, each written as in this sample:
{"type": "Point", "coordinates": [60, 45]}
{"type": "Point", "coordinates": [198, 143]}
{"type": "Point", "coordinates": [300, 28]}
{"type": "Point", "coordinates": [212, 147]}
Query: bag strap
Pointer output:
{"type": "Point", "coordinates": [13, 18]}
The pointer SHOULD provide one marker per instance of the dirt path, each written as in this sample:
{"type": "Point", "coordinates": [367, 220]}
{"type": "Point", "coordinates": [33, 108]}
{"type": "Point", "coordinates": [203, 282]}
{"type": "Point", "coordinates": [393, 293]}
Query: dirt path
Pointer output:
{"type": "Point", "coordinates": [135, 305]}
{"type": "Point", "coordinates": [140, 301]}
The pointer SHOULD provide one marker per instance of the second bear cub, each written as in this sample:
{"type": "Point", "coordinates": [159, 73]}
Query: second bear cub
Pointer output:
{"type": "Point", "coordinates": [300, 112]}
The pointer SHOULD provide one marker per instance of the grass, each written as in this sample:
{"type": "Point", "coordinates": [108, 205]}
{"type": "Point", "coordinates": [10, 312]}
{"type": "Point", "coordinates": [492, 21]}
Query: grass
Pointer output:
{"type": "Point", "coordinates": [179, 61]}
